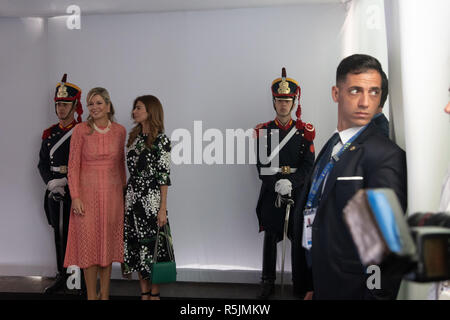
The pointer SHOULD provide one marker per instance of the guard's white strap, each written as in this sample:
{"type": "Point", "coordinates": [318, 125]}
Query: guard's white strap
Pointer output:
{"type": "Point", "coordinates": [61, 141]}
{"type": "Point", "coordinates": [282, 143]}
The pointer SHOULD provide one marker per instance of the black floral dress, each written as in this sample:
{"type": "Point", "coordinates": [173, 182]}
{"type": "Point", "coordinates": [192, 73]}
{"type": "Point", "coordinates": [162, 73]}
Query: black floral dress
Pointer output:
{"type": "Point", "coordinates": [149, 168]}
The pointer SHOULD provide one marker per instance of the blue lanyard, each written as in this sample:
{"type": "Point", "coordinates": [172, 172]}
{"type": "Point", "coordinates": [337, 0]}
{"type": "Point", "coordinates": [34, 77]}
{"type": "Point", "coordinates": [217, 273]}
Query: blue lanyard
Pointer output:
{"type": "Point", "coordinates": [318, 179]}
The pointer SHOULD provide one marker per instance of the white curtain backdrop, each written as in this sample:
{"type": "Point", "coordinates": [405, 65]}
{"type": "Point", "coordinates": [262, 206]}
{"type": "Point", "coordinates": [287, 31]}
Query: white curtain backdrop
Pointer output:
{"type": "Point", "coordinates": [419, 60]}
{"type": "Point", "coordinates": [410, 39]}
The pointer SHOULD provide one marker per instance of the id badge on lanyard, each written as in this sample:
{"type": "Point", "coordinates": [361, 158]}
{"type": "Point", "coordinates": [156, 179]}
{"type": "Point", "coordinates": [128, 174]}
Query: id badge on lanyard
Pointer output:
{"type": "Point", "coordinates": [308, 219]}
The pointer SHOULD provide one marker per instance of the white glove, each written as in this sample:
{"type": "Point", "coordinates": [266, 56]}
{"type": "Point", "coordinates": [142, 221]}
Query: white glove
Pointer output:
{"type": "Point", "coordinates": [59, 190]}
{"type": "Point", "coordinates": [52, 184]}
{"type": "Point", "coordinates": [283, 187]}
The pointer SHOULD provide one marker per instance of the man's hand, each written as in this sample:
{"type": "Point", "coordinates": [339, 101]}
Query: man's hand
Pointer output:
{"type": "Point", "coordinates": [59, 190]}
{"type": "Point", "coordinates": [52, 184]}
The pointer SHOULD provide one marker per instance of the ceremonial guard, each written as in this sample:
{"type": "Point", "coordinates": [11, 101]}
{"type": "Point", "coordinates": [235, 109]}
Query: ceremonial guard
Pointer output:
{"type": "Point", "coordinates": [285, 157]}
{"type": "Point", "coordinates": [53, 161]}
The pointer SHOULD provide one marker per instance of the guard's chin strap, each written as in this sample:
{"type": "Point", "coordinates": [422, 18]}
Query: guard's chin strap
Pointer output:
{"type": "Point", "coordinates": [74, 103]}
{"type": "Point", "coordinates": [68, 116]}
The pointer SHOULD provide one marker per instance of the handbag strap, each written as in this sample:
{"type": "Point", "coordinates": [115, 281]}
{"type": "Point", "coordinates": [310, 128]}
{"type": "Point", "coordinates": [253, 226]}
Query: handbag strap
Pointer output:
{"type": "Point", "coordinates": [169, 247]}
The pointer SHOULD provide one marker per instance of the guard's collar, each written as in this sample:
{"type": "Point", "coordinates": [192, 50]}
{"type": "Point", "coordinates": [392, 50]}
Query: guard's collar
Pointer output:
{"type": "Point", "coordinates": [286, 127]}
{"type": "Point", "coordinates": [70, 126]}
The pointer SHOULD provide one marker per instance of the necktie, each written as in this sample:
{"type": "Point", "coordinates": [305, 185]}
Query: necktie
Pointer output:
{"type": "Point", "coordinates": [325, 158]}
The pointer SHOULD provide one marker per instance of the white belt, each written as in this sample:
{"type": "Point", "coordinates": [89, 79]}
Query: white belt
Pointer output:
{"type": "Point", "coordinates": [60, 169]}
{"type": "Point", "coordinates": [283, 170]}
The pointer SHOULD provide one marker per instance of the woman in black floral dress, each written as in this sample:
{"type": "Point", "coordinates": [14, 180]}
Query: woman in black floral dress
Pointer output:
{"type": "Point", "coordinates": [148, 160]}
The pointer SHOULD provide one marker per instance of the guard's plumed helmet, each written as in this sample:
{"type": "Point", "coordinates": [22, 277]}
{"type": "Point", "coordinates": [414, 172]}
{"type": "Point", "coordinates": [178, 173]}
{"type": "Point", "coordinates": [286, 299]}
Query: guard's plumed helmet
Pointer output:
{"type": "Point", "coordinates": [289, 89]}
{"type": "Point", "coordinates": [68, 92]}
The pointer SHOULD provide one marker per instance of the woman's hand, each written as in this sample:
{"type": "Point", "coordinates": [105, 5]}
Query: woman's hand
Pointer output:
{"type": "Point", "coordinates": [162, 217]}
{"type": "Point", "coordinates": [78, 207]}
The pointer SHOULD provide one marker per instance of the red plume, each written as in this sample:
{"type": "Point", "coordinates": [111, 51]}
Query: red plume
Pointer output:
{"type": "Point", "coordinates": [79, 107]}
{"type": "Point", "coordinates": [299, 123]}
{"type": "Point", "coordinates": [64, 78]}
{"type": "Point", "coordinates": [283, 72]}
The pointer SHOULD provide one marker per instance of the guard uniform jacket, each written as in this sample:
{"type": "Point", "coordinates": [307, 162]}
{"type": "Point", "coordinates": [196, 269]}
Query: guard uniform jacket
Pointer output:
{"type": "Point", "coordinates": [60, 157]}
{"type": "Point", "coordinates": [297, 153]}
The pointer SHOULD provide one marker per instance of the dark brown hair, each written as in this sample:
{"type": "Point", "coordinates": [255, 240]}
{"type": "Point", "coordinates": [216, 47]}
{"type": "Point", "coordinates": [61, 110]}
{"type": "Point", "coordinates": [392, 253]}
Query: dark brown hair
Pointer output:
{"type": "Point", "coordinates": [360, 63]}
{"type": "Point", "coordinates": [155, 120]}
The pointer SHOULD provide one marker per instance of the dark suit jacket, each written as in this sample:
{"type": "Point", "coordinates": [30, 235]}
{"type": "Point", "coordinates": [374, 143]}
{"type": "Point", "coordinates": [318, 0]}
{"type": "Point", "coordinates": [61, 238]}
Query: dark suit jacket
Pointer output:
{"type": "Point", "coordinates": [337, 272]}
{"type": "Point", "coordinates": [382, 123]}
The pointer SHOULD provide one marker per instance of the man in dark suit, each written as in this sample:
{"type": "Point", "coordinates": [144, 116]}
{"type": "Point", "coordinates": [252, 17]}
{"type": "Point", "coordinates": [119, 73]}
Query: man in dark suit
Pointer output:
{"type": "Point", "coordinates": [326, 264]}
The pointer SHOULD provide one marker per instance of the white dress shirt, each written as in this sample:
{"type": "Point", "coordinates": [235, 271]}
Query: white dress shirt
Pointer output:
{"type": "Point", "coordinates": [345, 135]}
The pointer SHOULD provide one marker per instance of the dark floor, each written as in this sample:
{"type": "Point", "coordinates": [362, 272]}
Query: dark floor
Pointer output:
{"type": "Point", "coordinates": [33, 288]}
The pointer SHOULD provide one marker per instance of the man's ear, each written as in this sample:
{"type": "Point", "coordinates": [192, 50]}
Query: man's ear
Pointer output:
{"type": "Point", "coordinates": [335, 93]}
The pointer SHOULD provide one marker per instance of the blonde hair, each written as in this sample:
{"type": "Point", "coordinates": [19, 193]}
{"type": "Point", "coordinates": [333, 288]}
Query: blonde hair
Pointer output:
{"type": "Point", "coordinates": [102, 92]}
{"type": "Point", "coordinates": [155, 119]}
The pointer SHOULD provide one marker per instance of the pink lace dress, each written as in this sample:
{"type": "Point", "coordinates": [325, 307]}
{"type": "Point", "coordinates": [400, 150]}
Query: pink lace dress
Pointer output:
{"type": "Point", "coordinates": [97, 176]}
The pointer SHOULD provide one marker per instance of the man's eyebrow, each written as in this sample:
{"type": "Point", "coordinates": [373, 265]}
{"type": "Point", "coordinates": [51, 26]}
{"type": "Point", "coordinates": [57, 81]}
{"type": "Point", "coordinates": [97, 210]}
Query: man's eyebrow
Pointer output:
{"type": "Point", "coordinates": [359, 88]}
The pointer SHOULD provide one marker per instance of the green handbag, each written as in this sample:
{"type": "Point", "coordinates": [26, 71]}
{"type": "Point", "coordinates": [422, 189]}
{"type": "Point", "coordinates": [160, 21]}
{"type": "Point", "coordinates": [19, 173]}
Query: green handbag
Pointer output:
{"type": "Point", "coordinates": [164, 271]}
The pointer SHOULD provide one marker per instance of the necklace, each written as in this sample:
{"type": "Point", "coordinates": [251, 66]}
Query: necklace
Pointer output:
{"type": "Point", "coordinates": [108, 127]}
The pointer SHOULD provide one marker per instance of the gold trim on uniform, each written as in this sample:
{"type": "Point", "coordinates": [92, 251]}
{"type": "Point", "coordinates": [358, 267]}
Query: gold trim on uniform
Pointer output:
{"type": "Point", "coordinates": [287, 79]}
{"type": "Point", "coordinates": [68, 84]}
{"type": "Point", "coordinates": [60, 169]}
{"type": "Point", "coordinates": [66, 128]}
{"type": "Point", "coordinates": [285, 169]}
{"type": "Point", "coordinates": [62, 92]}
{"type": "Point", "coordinates": [284, 87]}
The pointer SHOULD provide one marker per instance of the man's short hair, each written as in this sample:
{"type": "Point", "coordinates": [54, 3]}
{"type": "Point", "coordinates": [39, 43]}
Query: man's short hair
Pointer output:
{"type": "Point", "coordinates": [384, 88]}
{"type": "Point", "coordinates": [360, 63]}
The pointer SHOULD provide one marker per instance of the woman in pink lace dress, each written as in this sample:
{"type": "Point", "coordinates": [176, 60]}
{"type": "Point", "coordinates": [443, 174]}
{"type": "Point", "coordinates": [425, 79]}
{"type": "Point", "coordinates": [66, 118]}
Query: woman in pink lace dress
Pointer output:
{"type": "Point", "coordinates": [96, 180]}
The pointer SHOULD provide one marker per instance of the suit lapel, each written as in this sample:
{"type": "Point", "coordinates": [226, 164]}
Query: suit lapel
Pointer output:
{"type": "Point", "coordinates": [316, 162]}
